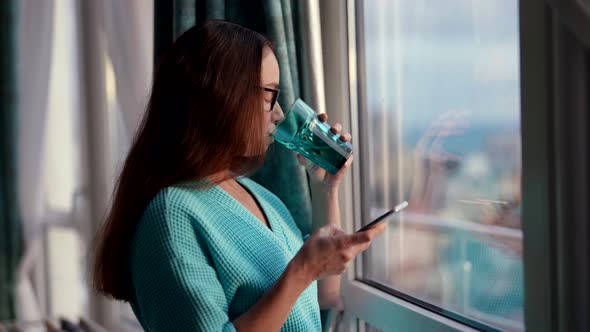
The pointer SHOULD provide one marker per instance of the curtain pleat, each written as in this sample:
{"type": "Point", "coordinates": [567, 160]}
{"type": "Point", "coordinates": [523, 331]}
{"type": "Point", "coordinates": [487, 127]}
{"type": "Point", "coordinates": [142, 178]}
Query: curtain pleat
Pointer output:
{"type": "Point", "coordinates": [10, 225]}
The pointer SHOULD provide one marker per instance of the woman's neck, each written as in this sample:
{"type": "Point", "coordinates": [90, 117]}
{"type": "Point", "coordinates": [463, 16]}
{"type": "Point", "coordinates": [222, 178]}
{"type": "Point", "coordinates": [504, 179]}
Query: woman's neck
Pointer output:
{"type": "Point", "coordinates": [221, 176]}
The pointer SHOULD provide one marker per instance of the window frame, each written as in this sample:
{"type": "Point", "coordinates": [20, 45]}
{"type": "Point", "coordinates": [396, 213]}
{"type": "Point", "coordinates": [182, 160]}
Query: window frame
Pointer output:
{"type": "Point", "coordinates": [388, 311]}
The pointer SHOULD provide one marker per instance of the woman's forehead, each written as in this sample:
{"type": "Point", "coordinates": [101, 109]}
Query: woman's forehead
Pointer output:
{"type": "Point", "coordinates": [270, 69]}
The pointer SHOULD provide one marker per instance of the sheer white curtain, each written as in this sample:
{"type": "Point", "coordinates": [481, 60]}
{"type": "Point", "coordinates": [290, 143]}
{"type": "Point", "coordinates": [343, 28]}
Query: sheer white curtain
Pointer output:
{"type": "Point", "coordinates": [129, 32]}
{"type": "Point", "coordinates": [34, 56]}
{"type": "Point", "coordinates": [61, 92]}
{"type": "Point", "coordinates": [312, 61]}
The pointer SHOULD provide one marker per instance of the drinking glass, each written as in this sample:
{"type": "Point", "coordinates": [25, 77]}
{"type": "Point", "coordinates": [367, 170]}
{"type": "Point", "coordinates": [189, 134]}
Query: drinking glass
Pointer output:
{"type": "Point", "coordinates": [301, 130]}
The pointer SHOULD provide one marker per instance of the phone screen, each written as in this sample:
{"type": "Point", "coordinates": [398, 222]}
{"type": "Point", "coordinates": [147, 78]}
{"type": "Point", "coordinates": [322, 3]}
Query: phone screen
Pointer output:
{"type": "Point", "coordinates": [383, 218]}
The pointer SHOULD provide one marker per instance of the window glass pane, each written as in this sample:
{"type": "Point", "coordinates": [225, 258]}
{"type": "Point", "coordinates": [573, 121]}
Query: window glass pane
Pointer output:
{"type": "Point", "coordinates": [442, 130]}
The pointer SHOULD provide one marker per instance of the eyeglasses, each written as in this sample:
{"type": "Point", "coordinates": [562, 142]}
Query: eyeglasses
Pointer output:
{"type": "Point", "coordinates": [275, 96]}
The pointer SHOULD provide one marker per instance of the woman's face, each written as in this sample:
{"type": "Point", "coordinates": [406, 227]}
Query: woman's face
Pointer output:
{"type": "Point", "coordinates": [270, 79]}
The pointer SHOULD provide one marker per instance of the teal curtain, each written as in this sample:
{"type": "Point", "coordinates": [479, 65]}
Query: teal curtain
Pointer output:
{"type": "Point", "coordinates": [10, 227]}
{"type": "Point", "coordinates": [281, 173]}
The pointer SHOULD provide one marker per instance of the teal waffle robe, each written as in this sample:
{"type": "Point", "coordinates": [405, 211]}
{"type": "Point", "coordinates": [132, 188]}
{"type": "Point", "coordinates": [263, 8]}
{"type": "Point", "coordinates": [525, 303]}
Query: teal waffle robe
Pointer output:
{"type": "Point", "coordinates": [199, 259]}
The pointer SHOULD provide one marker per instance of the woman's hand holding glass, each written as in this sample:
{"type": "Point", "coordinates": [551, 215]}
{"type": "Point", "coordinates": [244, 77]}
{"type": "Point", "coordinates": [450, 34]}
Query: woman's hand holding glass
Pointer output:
{"type": "Point", "coordinates": [318, 175]}
{"type": "Point", "coordinates": [329, 250]}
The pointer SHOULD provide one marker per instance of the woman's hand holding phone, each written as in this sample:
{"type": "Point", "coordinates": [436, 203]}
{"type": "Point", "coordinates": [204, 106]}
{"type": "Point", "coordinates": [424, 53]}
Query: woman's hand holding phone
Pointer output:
{"type": "Point", "coordinates": [330, 250]}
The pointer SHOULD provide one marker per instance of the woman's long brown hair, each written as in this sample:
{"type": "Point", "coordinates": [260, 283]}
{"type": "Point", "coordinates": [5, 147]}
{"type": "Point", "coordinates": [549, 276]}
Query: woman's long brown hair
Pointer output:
{"type": "Point", "coordinates": [204, 113]}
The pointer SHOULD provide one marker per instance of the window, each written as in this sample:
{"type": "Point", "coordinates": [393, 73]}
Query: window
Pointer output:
{"type": "Point", "coordinates": [439, 125]}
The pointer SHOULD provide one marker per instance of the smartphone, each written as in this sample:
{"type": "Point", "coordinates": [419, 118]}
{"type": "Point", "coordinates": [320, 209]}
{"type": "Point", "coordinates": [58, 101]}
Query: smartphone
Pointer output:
{"type": "Point", "coordinates": [383, 218]}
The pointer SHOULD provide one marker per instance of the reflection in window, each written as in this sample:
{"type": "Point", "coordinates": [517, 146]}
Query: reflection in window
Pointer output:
{"type": "Point", "coordinates": [442, 127]}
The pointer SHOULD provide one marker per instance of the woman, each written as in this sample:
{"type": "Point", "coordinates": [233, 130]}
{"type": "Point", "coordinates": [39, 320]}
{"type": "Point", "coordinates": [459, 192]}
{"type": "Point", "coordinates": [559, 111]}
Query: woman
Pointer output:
{"type": "Point", "coordinates": [191, 243]}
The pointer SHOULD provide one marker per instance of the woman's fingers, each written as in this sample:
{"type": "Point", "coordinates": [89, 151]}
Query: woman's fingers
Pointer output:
{"type": "Point", "coordinates": [336, 128]}
{"type": "Point", "coordinates": [364, 245]}
{"type": "Point", "coordinates": [301, 159]}
{"type": "Point", "coordinates": [335, 230]}
{"type": "Point", "coordinates": [366, 236]}
{"type": "Point", "coordinates": [329, 251]}
{"type": "Point", "coordinates": [358, 241]}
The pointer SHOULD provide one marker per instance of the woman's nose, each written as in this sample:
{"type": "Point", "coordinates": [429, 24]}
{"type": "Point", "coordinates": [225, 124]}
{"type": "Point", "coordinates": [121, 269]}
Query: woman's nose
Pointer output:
{"type": "Point", "coordinates": [277, 114]}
